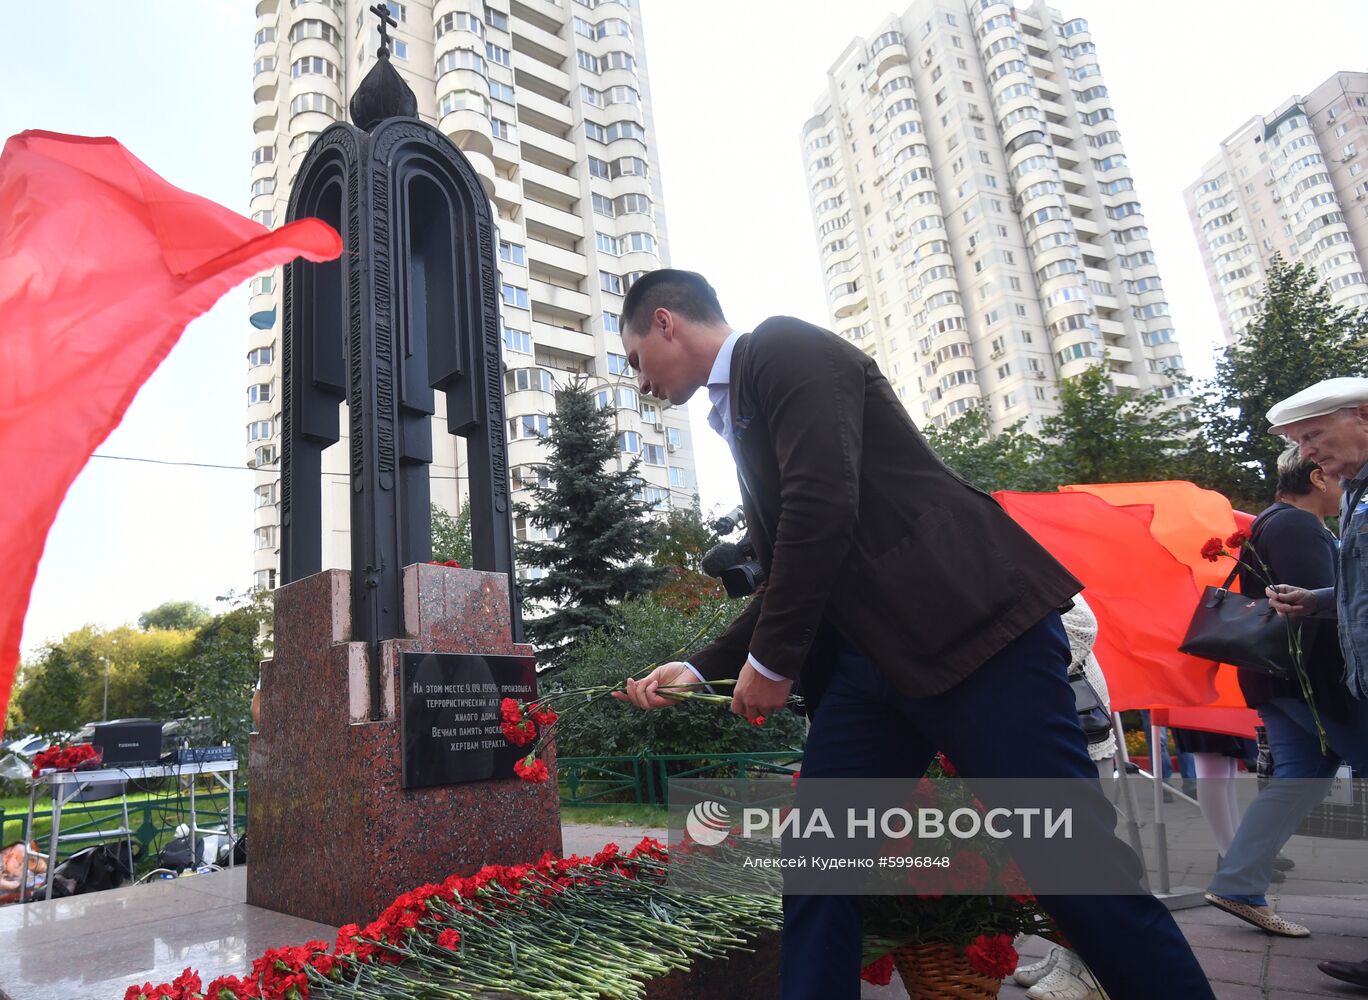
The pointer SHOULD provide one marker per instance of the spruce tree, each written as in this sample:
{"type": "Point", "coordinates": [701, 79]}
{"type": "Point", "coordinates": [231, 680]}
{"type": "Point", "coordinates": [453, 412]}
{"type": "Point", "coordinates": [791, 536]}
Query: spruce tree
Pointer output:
{"type": "Point", "coordinates": [1297, 338]}
{"type": "Point", "coordinates": [602, 536]}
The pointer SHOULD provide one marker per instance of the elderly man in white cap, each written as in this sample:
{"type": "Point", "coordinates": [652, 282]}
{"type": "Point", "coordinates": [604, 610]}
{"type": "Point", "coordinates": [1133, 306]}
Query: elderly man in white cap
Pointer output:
{"type": "Point", "coordinates": [1329, 423]}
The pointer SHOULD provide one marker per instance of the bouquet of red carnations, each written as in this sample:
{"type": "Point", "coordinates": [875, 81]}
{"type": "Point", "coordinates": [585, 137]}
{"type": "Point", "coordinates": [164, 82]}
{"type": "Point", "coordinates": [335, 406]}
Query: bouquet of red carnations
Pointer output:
{"type": "Point", "coordinates": [72, 758]}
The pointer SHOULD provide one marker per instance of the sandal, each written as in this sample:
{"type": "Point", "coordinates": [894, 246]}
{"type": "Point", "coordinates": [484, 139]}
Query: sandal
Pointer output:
{"type": "Point", "coordinates": [1268, 922]}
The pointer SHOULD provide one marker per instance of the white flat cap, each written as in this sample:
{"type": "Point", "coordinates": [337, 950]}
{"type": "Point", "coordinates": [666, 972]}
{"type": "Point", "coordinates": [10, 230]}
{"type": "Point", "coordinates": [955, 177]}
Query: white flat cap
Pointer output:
{"type": "Point", "coordinates": [1324, 397]}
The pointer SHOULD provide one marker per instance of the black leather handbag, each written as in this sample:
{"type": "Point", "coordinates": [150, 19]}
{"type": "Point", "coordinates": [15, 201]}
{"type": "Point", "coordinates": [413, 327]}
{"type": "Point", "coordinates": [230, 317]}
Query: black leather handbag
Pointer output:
{"type": "Point", "coordinates": [1243, 631]}
{"type": "Point", "coordinates": [1092, 714]}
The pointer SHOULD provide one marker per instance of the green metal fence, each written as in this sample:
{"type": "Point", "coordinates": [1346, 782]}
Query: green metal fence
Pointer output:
{"type": "Point", "coordinates": [152, 820]}
{"type": "Point", "coordinates": [645, 779]}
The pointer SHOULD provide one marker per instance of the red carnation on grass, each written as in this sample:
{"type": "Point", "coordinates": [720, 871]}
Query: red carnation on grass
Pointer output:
{"type": "Point", "coordinates": [531, 769]}
{"type": "Point", "coordinates": [759, 720]}
{"type": "Point", "coordinates": [968, 871]}
{"type": "Point", "coordinates": [449, 939]}
{"type": "Point", "coordinates": [880, 971]}
{"type": "Point", "coordinates": [1237, 540]}
{"type": "Point", "coordinates": [1213, 549]}
{"type": "Point", "coordinates": [992, 956]}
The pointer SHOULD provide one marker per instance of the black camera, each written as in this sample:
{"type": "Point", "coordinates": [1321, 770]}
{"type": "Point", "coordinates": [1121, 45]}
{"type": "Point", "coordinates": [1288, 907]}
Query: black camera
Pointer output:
{"type": "Point", "coordinates": [734, 563]}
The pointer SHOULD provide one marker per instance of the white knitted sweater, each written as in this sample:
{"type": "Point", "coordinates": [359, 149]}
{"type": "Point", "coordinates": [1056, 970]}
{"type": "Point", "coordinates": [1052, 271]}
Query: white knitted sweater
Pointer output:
{"type": "Point", "coordinates": [1080, 624]}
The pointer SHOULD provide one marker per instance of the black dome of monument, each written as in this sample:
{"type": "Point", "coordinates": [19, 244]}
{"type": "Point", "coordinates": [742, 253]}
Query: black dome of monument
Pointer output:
{"type": "Point", "coordinates": [383, 93]}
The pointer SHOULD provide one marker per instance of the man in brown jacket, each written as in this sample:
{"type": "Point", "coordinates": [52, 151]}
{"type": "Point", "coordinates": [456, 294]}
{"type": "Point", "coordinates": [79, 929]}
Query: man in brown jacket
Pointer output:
{"type": "Point", "coordinates": [914, 613]}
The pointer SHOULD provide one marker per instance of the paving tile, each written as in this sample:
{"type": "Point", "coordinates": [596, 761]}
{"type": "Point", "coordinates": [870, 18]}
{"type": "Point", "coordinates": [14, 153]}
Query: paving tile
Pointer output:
{"type": "Point", "coordinates": [1231, 966]}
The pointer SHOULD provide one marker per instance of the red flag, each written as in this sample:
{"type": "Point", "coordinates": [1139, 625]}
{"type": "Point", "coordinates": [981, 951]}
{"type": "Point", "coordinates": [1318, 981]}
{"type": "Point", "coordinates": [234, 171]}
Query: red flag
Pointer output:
{"type": "Point", "coordinates": [102, 264]}
{"type": "Point", "coordinates": [1143, 597]}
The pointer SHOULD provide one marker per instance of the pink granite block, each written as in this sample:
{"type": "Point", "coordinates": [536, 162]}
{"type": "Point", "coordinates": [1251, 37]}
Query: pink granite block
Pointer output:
{"type": "Point", "coordinates": [333, 837]}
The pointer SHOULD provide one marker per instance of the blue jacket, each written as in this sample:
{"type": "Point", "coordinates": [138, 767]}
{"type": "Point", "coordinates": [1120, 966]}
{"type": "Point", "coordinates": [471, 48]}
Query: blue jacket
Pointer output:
{"type": "Point", "coordinates": [1350, 593]}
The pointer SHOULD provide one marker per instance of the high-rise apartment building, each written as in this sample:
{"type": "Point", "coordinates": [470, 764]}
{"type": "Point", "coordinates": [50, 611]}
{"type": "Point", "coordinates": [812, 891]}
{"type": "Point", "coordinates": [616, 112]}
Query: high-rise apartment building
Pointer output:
{"type": "Point", "coordinates": [549, 100]}
{"type": "Point", "coordinates": [978, 226]}
{"type": "Point", "coordinates": [1291, 183]}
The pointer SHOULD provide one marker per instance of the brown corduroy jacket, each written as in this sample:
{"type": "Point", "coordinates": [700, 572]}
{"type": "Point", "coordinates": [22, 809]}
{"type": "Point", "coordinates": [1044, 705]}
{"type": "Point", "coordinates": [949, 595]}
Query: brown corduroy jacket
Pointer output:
{"type": "Point", "coordinates": [861, 528]}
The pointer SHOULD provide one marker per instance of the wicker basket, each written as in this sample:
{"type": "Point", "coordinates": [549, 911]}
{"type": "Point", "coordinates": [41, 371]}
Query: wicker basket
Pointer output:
{"type": "Point", "coordinates": [940, 972]}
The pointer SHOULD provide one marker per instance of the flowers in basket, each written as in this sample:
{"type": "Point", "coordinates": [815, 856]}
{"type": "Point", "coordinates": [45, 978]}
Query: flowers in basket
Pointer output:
{"type": "Point", "coordinates": [72, 758]}
{"type": "Point", "coordinates": [961, 911]}
{"type": "Point", "coordinates": [1238, 547]}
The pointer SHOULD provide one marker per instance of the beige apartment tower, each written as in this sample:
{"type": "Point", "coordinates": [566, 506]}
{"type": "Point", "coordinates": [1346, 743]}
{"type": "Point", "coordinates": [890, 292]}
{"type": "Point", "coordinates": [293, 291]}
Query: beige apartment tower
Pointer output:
{"type": "Point", "coordinates": [978, 226]}
{"type": "Point", "coordinates": [1291, 183]}
{"type": "Point", "coordinates": [550, 102]}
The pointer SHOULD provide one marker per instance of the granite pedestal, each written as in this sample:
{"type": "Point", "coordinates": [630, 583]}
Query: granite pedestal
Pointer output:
{"type": "Point", "coordinates": [331, 835]}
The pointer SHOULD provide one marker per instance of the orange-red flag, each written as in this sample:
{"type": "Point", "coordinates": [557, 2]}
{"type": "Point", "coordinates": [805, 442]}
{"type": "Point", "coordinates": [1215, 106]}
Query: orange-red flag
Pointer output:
{"type": "Point", "coordinates": [102, 264]}
{"type": "Point", "coordinates": [1185, 516]}
{"type": "Point", "coordinates": [1143, 597]}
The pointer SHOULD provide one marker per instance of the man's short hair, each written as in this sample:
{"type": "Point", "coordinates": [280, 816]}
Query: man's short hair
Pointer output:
{"type": "Point", "coordinates": [685, 292]}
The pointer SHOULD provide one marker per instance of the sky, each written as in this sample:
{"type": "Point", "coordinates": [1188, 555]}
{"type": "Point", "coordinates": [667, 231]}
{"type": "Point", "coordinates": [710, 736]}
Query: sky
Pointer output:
{"type": "Point", "coordinates": [731, 86]}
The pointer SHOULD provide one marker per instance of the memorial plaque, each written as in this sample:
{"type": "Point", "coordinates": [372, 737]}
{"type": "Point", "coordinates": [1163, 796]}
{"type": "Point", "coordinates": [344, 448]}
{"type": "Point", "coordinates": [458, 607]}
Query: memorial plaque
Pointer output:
{"type": "Point", "coordinates": [452, 727]}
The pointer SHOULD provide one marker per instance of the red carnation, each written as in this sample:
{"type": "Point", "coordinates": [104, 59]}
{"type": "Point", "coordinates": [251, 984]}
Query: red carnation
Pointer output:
{"type": "Point", "coordinates": [945, 765]}
{"type": "Point", "coordinates": [968, 871]}
{"type": "Point", "coordinates": [520, 734]}
{"type": "Point", "coordinates": [1213, 549]}
{"type": "Point", "coordinates": [1237, 541]}
{"type": "Point", "coordinates": [879, 972]}
{"type": "Point", "coordinates": [231, 988]}
{"type": "Point", "coordinates": [187, 982]}
{"type": "Point", "coordinates": [793, 782]}
{"type": "Point", "coordinates": [992, 956]}
{"type": "Point", "coordinates": [759, 720]}
{"type": "Point", "coordinates": [449, 939]}
{"type": "Point", "coordinates": [510, 710]}
{"type": "Point", "coordinates": [531, 769]}
{"type": "Point", "coordinates": [543, 716]}
{"type": "Point", "coordinates": [929, 883]}
{"type": "Point", "coordinates": [452, 563]}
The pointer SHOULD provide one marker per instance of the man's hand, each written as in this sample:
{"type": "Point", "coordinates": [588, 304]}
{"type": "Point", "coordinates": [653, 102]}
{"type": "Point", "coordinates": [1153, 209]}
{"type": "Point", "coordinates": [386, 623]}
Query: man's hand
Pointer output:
{"type": "Point", "coordinates": [643, 693]}
{"type": "Point", "coordinates": [756, 695]}
{"type": "Point", "coordinates": [1293, 602]}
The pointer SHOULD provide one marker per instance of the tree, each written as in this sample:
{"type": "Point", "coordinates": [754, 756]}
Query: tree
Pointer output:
{"type": "Point", "coordinates": [680, 542]}
{"type": "Point", "coordinates": [451, 536]}
{"type": "Point", "coordinates": [221, 670]}
{"type": "Point", "coordinates": [681, 538]}
{"type": "Point", "coordinates": [1102, 435]}
{"type": "Point", "coordinates": [64, 688]}
{"type": "Point", "coordinates": [596, 530]}
{"type": "Point", "coordinates": [179, 615]}
{"type": "Point", "coordinates": [1012, 459]}
{"type": "Point", "coordinates": [643, 631]}
{"type": "Point", "coordinates": [1296, 339]}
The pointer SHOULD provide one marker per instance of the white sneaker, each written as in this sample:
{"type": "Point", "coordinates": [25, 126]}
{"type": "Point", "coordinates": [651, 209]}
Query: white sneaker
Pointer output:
{"type": "Point", "coordinates": [1068, 980]}
{"type": "Point", "coordinates": [1029, 975]}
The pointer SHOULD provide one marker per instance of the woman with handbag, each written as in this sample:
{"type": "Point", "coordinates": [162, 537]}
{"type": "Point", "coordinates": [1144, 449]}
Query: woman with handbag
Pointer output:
{"type": "Point", "coordinates": [1293, 546]}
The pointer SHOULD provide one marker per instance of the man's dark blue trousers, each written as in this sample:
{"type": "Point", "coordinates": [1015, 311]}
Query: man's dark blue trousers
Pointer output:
{"type": "Point", "coordinates": [1014, 717]}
